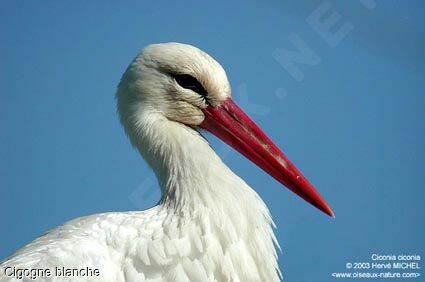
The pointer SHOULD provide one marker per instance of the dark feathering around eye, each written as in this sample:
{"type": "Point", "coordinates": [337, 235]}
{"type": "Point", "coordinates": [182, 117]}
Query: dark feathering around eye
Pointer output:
{"type": "Point", "coordinates": [189, 82]}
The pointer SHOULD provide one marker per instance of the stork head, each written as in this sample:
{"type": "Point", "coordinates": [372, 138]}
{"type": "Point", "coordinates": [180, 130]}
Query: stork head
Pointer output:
{"type": "Point", "coordinates": [183, 84]}
{"type": "Point", "coordinates": [176, 80]}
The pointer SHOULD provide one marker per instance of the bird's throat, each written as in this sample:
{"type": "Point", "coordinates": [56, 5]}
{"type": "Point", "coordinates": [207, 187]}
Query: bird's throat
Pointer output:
{"type": "Point", "coordinates": [187, 168]}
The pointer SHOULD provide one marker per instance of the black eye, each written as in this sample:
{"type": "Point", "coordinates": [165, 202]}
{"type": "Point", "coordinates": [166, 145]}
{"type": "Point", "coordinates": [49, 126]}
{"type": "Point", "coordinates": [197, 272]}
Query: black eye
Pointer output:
{"type": "Point", "coordinates": [189, 82]}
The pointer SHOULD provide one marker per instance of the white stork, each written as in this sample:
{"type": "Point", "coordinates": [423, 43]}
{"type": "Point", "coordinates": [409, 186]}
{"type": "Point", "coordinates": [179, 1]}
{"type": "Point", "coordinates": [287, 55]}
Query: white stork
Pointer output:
{"type": "Point", "coordinates": [209, 224]}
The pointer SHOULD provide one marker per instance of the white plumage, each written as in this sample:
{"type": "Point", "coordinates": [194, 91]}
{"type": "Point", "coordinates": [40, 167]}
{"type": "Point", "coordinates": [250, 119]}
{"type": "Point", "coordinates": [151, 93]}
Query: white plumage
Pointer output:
{"type": "Point", "coordinates": [209, 225]}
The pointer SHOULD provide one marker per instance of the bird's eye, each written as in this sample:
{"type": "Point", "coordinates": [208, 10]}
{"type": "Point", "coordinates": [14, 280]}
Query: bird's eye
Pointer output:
{"type": "Point", "coordinates": [189, 82]}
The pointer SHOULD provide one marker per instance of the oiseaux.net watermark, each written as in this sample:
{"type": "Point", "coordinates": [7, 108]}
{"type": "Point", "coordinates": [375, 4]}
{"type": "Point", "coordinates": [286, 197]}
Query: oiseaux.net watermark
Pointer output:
{"type": "Point", "coordinates": [382, 266]}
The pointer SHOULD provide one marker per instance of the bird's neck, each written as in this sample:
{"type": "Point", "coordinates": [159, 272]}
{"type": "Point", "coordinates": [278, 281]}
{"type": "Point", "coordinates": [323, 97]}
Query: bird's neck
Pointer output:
{"type": "Point", "coordinates": [199, 192]}
{"type": "Point", "coordinates": [187, 169]}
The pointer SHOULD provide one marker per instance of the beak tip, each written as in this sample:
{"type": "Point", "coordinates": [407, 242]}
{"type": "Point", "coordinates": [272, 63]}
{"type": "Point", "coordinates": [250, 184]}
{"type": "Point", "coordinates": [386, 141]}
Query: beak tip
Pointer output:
{"type": "Point", "coordinates": [329, 212]}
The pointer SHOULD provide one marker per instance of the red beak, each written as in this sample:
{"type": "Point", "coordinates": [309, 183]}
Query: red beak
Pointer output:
{"type": "Point", "coordinates": [229, 123]}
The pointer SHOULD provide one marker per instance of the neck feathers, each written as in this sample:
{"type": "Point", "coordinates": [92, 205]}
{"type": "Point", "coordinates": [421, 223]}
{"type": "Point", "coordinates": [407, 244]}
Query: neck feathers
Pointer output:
{"type": "Point", "coordinates": [186, 166]}
{"type": "Point", "coordinates": [204, 201]}
{"type": "Point", "coordinates": [200, 190]}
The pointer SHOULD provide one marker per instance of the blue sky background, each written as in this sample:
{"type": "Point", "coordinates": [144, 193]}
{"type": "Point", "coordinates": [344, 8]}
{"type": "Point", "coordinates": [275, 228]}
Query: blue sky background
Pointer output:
{"type": "Point", "coordinates": [354, 125]}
